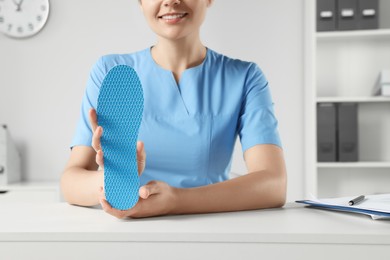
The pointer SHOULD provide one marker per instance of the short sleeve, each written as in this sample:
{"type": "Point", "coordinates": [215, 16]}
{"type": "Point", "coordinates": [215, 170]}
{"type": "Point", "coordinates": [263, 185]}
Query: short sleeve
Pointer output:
{"type": "Point", "coordinates": [257, 122]}
{"type": "Point", "coordinates": [83, 134]}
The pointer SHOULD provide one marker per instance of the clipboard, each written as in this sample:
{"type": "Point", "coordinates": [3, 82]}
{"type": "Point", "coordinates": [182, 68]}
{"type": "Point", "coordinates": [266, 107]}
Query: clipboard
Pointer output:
{"type": "Point", "coordinates": [376, 206]}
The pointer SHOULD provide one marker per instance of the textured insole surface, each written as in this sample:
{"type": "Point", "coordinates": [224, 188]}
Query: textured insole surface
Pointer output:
{"type": "Point", "coordinates": [119, 111]}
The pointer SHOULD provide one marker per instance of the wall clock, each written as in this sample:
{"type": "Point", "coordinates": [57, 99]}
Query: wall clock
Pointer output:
{"type": "Point", "coordinates": [23, 18]}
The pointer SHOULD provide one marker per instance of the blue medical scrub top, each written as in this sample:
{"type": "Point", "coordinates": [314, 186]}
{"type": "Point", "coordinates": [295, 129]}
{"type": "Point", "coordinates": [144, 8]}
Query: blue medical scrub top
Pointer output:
{"type": "Point", "coordinates": [189, 128]}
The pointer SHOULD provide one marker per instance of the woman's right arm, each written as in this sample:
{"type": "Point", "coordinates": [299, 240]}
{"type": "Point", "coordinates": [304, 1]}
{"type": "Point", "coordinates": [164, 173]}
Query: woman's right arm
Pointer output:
{"type": "Point", "coordinates": [81, 181]}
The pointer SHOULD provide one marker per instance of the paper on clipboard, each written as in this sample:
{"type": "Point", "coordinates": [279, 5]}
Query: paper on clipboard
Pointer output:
{"type": "Point", "coordinates": [376, 206]}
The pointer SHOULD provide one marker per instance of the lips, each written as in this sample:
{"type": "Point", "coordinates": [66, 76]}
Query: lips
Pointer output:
{"type": "Point", "coordinates": [172, 16]}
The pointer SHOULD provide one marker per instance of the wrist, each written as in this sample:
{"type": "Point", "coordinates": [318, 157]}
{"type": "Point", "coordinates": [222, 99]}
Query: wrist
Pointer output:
{"type": "Point", "coordinates": [177, 201]}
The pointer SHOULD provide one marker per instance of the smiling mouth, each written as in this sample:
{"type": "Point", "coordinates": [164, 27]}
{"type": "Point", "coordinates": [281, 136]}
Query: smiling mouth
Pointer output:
{"type": "Point", "coordinates": [169, 17]}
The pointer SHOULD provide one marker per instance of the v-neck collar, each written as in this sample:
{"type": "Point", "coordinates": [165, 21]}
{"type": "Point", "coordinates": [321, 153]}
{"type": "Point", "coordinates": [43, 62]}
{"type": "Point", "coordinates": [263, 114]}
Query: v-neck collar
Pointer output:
{"type": "Point", "coordinates": [177, 87]}
{"type": "Point", "coordinates": [197, 67]}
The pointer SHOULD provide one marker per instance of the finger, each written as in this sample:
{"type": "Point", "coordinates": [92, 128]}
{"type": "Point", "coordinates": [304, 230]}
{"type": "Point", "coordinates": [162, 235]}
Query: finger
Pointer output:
{"type": "Point", "coordinates": [96, 138]}
{"type": "Point", "coordinates": [99, 159]}
{"type": "Point", "coordinates": [141, 157]}
{"type": "Point", "coordinates": [105, 205]}
{"type": "Point", "coordinates": [149, 189]}
{"type": "Point", "coordinates": [93, 119]}
{"type": "Point", "coordinates": [110, 210]}
{"type": "Point", "coordinates": [140, 147]}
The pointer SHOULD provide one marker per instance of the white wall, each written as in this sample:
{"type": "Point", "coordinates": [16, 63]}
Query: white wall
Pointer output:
{"type": "Point", "coordinates": [42, 79]}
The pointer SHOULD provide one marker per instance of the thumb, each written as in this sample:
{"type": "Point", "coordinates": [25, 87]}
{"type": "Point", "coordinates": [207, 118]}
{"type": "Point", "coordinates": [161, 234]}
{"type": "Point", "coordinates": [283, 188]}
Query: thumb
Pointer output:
{"type": "Point", "coordinates": [149, 189]}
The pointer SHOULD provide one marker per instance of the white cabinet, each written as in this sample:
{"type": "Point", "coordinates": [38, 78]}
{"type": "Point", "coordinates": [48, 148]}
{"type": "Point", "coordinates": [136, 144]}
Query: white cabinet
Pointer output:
{"type": "Point", "coordinates": [342, 66]}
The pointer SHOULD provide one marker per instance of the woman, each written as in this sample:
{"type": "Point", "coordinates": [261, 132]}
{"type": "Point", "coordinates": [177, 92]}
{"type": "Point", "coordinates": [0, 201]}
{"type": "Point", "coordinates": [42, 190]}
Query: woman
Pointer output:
{"type": "Point", "coordinates": [196, 103]}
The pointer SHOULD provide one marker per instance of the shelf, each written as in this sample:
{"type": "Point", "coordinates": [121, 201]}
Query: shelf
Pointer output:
{"type": "Point", "coordinates": [353, 165]}
{"type": "Point", "coordinates": [356, 34]}
{"type": "Point", "coordinates": [378, 99]}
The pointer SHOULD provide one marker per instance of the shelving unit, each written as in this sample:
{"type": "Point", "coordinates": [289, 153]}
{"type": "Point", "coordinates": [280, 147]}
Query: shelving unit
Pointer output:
{"type": "Point", "coordinates": [342, 66]}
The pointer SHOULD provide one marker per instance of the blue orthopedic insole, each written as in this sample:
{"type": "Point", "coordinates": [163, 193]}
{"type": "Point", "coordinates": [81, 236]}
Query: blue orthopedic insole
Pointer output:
{"type": "Point", "coordinates": [119, 111]}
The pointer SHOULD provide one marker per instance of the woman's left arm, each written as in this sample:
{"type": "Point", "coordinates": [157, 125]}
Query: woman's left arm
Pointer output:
{"type": "Point", "coordinates": [264, 186]}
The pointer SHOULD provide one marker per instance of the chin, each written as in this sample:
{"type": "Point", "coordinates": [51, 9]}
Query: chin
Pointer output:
{"type": "Point", "coordinates": [175, 35]}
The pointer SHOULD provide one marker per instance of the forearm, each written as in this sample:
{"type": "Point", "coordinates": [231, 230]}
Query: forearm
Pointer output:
{"type": "Point", "coordinates": [81, 187]}
{"type": "Point", "coordinates": [252, 191]}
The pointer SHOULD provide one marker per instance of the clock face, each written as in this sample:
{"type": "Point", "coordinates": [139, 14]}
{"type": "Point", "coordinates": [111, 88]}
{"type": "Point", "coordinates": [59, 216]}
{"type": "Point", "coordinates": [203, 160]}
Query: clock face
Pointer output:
{"type": "Point", "coordinates": [23, 18]}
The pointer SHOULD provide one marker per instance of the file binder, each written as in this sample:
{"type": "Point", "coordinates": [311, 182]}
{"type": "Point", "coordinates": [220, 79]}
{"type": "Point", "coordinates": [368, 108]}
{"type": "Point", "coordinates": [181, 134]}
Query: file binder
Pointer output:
{"type": "Point", "coordinates": [347, 17]}
{"type": "Point", "coordinates": [368, 14]}
{"type": "Point", "coordinates": [326, 132]}
{"type": "Point", "coordinates": [347, 122]}
{"type": "Point", "coordinates": [326, 15]}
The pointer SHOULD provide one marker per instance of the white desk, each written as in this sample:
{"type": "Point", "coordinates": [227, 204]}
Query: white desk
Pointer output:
{"type": "Point", "coordinates": [59, 231]}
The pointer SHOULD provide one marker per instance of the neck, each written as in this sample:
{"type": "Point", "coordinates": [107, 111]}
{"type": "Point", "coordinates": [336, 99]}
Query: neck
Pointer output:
{"type": "Point", "coordinates": [178, 55]}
